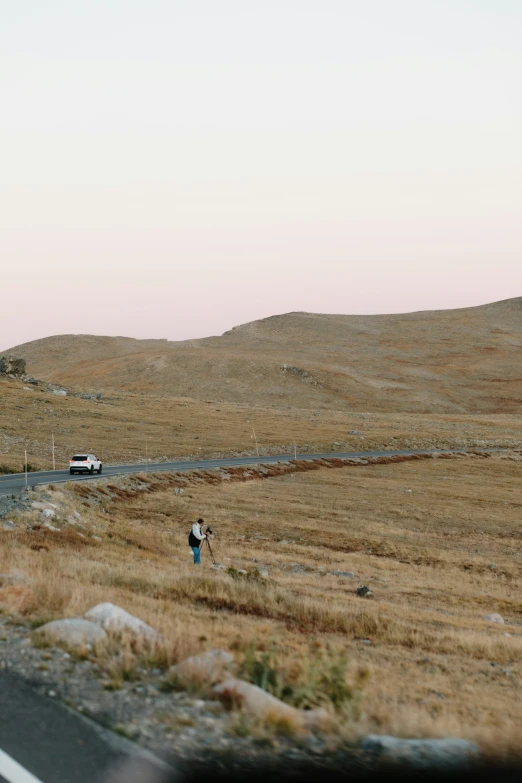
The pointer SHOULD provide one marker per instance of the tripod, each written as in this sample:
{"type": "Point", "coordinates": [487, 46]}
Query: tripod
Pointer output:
{"type": "Point", "coordinates": [210, 550]}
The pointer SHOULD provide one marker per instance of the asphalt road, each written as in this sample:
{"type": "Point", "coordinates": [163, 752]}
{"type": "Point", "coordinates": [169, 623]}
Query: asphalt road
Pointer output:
{"type": "Point", "coordinates": [42, 741]}
{"type": "Point", "coordinates": [14, 483]}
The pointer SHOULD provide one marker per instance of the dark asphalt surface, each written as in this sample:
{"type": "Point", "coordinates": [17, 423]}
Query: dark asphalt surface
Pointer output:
{"type": "Point", "coordinates": [13, 483]}
{"type": "Point", "coordinates": [53, 743]}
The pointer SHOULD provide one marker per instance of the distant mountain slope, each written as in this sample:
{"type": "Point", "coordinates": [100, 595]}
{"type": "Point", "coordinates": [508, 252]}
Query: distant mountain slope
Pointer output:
{"type": "Point", "coordinates": [437, 361]}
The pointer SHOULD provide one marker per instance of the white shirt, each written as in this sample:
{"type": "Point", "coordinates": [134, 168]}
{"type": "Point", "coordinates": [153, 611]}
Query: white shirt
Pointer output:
{"type": "Point", "coordinates": [197, 532]}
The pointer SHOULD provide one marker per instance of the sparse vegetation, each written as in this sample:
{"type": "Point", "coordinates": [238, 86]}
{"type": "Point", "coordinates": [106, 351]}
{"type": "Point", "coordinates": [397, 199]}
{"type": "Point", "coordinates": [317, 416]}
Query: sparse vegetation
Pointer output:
{"type": "Point", "coordinates": [8, 469]}
{"type": "Point", "coordinates": [320, 679]}
{"type": "Point", "coordinates": [422, 534]}
{"type": "Point", "coordinates": [449, 362]}
{"type": "Point", "coordinates": [127, 428]}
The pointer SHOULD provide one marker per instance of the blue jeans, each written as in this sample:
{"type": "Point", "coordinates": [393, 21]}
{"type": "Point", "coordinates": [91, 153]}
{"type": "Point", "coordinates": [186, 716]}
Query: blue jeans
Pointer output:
{"type": "Point", "coordinates": [197, 555]}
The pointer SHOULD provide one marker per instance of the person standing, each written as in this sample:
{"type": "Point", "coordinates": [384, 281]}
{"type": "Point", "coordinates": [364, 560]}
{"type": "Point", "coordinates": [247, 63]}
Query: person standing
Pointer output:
{"type": "Point", "coordinates": [195, 538]}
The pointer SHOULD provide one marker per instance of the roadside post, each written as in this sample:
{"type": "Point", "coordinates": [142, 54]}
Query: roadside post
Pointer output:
{"type": "Point", "coordinates": [255, 438]}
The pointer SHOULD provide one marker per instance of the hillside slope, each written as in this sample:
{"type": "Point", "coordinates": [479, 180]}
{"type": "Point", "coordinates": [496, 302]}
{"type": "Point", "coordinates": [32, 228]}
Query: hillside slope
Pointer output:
{"type": "Point", "coordinates": [466, 360]}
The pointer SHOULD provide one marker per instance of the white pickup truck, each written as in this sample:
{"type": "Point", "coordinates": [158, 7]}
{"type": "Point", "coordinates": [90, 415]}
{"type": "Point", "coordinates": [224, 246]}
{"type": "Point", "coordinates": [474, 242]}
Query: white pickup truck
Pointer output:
{"type": "Point", "coordinates": [85, 463]}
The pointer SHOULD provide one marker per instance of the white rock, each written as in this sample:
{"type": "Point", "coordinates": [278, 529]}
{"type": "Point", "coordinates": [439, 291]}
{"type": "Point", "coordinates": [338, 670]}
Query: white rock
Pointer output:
{"type": "Point", "coordinates": [48, 526]}
{"type": "Point", "coordinates": [429, 753]}
{"type": "Point", "coordinates": [116, 620]}
{"type": "Point", "coordinates": [72, 632]}
{"type": "Point", "coordinates": [48, 513]}
{"type": "Point", "coordinates": [43, 506]}
{"type": "Point", "coordinates": [261, 704]}
{"type": "Point", "coordinates": [59, 392]}
{"type": "Point", "coordinates": [8, 524]}
{"type": "Point", "coordinates": [210, 667]}
{"type": "Point", "coordinates": [494, 618]}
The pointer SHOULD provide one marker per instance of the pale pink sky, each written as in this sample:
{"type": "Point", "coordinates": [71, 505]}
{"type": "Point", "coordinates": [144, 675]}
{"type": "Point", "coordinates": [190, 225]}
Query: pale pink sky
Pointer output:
{"type": "Point", "coordinates": [172, 168]}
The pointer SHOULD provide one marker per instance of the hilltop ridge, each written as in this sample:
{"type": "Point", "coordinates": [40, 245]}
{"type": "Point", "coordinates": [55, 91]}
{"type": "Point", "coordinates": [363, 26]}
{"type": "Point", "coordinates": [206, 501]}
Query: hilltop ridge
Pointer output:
{"type": "Point", "coordinates": [461, 360]}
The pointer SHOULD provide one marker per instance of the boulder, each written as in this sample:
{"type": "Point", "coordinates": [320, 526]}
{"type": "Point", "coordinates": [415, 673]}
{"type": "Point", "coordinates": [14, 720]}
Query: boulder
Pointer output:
{"type": "Point", "coordinates": [494, 618]}
{"type": "Point", "coordinates": [72, 632]}
{"type": "Point", "coordinates": [8, 524]}
{"type": "Point", "coordinates": [115, 620]}
{"type": "Point", "coordinates": [423, 753]}
{"type": "Point", "coordinates": [346, 574]}
{"type": "Point", "coordinates": [12, 365]}
{"type": "Point", "coordinates": [260, 704]}
{"type": "Point", "coordinates": [364, 592]}
{"type": "Point", "coordinates": [48, 513]}
{"type": "Point", "coordinates": [38, 504]}
{"type": "Point", "coordinates": [209, 668]}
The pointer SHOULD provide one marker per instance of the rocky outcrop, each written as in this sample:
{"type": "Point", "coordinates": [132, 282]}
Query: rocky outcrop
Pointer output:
{"type": "Point", "coordinates": [115, 620]}
{"type": "Point", "coordinates": [208, 668]}
{"type": "Point", "coordinates": [494, 618]}
{"type": "Point", "coordinates": [12, 366]}
{"type": "Point", "coordinates": [71, 632]}
{"type": "Point", "coordinates": [261, 704]}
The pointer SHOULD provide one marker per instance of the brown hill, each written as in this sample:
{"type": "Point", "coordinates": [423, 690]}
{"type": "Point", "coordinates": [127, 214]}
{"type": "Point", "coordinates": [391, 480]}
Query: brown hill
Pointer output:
{"type": "Point", "coordinates": [466, 360]}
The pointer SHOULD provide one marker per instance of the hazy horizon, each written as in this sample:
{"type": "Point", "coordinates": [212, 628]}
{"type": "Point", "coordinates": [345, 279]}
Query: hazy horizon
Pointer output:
{"type": "Point", "coordinates": [174, 169]}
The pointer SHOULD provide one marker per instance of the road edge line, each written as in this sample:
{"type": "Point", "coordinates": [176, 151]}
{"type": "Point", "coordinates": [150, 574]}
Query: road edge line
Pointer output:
{"type": "Point", "coordinates": [13, 772]}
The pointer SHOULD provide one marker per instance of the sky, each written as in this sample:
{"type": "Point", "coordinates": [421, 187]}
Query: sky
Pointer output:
{"type": "Point", "coordinates": [173, 168]}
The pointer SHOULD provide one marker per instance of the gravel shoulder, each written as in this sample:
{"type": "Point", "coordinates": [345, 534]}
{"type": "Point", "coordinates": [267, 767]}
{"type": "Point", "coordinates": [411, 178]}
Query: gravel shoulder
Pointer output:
{"type": "Point", "coordinates": [184, 729]}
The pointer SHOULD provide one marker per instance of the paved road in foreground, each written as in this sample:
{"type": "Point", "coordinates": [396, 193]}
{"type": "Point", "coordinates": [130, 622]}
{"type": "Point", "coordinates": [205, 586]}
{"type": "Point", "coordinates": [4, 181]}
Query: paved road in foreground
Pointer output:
{"type": "Point", "coordinates": [41, 741]}
{"type": "Point", "coordinates": [13, 483]}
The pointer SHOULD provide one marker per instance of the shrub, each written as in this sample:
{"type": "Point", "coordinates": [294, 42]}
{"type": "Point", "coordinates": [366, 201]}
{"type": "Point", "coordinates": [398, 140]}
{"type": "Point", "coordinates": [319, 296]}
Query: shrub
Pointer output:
{"type": "Point", "coordinates": [7, 469]}
{"type": "Point", "coordinates": [250, 576]}
{"type": "Point", "coordinates": [321, 679]}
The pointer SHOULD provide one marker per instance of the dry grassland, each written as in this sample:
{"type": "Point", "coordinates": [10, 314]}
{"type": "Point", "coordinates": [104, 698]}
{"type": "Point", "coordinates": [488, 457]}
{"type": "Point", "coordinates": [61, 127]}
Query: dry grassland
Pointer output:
{"type": "Point", "coordinates": [128, 427]}
{"type": "Point", "coordinates": [438, 541]}
{"type": "Point", "coordinates": [447, 361]}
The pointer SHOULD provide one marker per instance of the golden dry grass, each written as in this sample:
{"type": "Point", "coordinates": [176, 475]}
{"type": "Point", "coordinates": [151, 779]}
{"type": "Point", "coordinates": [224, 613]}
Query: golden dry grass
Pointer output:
{"type": "Point", "coordinates": [128, 427]}
{"type": "Point", "coordinates": [421, 534]}
{"type": "Point", "coordinates": [452, 361]}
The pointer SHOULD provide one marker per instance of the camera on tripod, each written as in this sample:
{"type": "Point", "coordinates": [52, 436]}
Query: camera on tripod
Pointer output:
{"type": "Point", "coordinates": [208, 531]}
